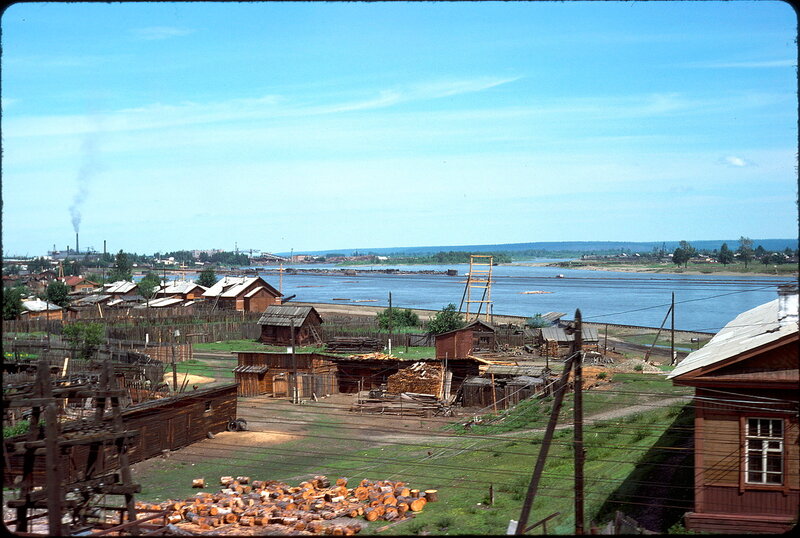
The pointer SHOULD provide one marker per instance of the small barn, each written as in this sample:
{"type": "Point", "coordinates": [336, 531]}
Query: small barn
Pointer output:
{"type": "Point", "coordinates": [39, 309]}
{"type": "Point", "coordinates": [279, 321]}
{"type": "Point", "coordinates": [475, 337]}
{"type": "Point", "coordinates": [242, 293]}
{"type": "Point", "coordinates": [557, 342]}
{"type": "Point", "coordinates": [747, 392]}
{"type": "Point", "coordinates": [260, 372]}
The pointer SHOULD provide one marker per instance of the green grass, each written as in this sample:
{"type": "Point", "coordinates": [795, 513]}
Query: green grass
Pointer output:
{"type": "Point", "coordinates": [461, 468]}
{"type": "Point", "coordinates": [200, 367]}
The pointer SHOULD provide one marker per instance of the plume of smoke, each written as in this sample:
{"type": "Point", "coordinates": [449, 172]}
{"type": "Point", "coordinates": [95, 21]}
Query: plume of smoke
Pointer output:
{"type": "Point", "coordinates": [88, 168]}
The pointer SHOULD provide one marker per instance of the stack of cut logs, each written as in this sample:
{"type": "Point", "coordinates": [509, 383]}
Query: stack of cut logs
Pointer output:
{"type": "Point", "coordinates": [307, 507]}
{"type": "Point", "coordinates": [420, 377]}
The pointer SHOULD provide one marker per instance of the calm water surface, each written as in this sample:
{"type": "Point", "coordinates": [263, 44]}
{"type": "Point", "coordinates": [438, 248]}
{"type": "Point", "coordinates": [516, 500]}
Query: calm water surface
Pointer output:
{"type": "Point", "coordinates": [703, 302]}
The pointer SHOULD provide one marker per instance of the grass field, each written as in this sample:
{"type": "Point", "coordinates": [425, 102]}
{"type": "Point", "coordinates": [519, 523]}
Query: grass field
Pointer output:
{"type": "Point", "coordinates": [623, 457]}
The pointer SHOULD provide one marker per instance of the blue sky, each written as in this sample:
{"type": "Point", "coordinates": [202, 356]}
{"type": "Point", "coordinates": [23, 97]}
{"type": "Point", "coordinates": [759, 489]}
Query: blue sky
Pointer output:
{"type": "Point", "coordinates": [309, 126]}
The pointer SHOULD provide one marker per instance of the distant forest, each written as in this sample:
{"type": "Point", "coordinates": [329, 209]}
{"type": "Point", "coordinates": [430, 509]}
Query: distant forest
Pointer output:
{"type": "Point", "coordinates": [558, 249]}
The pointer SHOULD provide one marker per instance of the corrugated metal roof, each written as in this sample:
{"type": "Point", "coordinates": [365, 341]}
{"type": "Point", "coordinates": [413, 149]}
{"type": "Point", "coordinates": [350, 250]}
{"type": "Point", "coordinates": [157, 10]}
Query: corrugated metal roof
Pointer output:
{"type": "Point", "coordinates": [37, 305]}
{"type": "Point", "coordinates": [558, 334]}
{"type": "Point", "coordinates": [554, 316]}
{"type": "Point", "coordinates": [282, 315]}
{"type": "Point", "coordinates": [91, 299]}
{"type": "Point", "coordinates": [180, 287]}
{"type": "Point", "coordinates": [232, 286]}
{"type": "Point", "coordinates": [120, 286]}
{"type": "Point", "coordinates": [749, 330]}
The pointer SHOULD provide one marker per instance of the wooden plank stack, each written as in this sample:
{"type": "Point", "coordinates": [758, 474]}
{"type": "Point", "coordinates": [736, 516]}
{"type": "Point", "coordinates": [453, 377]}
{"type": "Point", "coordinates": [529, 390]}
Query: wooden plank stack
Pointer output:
{"type": "Point", "coordinates": [311, 506]}
{"type": "Point", "coordinates": [420, 377]}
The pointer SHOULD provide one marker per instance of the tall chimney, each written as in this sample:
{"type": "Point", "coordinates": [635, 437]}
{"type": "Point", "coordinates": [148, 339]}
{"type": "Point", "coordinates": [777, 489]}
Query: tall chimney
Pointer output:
{"type": "Point", "coordinates": [77, 246]}
{"type": "Point", "coordinates": [788, 305]}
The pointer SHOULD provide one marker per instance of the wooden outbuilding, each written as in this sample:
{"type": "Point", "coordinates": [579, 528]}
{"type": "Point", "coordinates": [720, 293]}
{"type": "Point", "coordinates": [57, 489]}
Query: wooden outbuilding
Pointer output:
{"type": "Point", "coordinates": [165, 424]}
{"type": "Point", "coordinates": [242, 293]}
{"type": "Point", "coordinates": [260, 372]}
{"type": "Point", "coordinates": [747, 394]}
{"type": "Point", "coordinates": [475, 337]}
{"type": "Point", "coordinates": [279, 321]}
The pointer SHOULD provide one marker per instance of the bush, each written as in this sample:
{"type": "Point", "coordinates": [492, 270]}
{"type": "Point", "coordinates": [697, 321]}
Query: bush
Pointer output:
{"type": "Point", "coordinates": [447, 319]}
{"type": "Point", "coordinates": [399, 318]}
{"type": "Point", "coordinates": [537, 322]}
{"type": "Point", "coordinates": [638, 368]}
{"type": "Point", "coordinates": [84, 337]}
{"type": "Point", "coordinates": [602, 375]}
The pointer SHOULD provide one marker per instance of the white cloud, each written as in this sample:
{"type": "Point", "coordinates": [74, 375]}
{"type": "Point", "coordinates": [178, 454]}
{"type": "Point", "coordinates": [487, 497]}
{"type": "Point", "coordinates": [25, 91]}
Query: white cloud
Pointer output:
{"type": "Point", "coordinates": [738, 162]}
{"type": "Point", "coordinates": [153, 33]}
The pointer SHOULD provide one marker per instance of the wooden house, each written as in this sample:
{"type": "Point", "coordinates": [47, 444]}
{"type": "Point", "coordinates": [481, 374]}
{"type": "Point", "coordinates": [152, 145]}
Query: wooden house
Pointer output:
{"type": "Point", "coordinates": [279, 321]}
{"type": "Point", "coordinates": [473, 338]}
{"type": "Point", "coordinates": [164, 424]}
{"type": "Point", "coordinates": [248, 294]}
{"type": "Point", "coordinates": [259, 372]}
{"type": "Point", "coordinates": [78, 284]}
{"type": "Point", "coordinates": [747, 393]}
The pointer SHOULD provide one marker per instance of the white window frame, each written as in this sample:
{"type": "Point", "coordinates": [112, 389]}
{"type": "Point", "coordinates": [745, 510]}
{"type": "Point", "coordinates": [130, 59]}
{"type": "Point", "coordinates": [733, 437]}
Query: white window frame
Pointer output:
{"type": "Point", "coordinates": [764, 437]}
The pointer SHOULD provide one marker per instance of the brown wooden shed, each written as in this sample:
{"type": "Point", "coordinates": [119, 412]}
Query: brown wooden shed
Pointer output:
{"type": "Point", "coordinates": [257, 372]}
{"type": "Point", "coordinates": [278, 320]}
{"type": "Point", "coordinates": [164, 424]}
{"type": "Point", "coordinates": [475, 337]}
{"type": "Point", "coordinates": [242, 293]}
{"type": "Point", "coordinates": [747, 393]}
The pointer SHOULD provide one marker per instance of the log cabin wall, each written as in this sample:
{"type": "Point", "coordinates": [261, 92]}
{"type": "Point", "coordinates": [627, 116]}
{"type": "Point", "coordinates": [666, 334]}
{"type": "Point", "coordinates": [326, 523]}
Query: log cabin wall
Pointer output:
{"type": "Point", "coordinates": [321, 371]}
{"type": "Point", "coordinates": [724, 501]}
{"type": "Point", "coordinates": [166, 424]}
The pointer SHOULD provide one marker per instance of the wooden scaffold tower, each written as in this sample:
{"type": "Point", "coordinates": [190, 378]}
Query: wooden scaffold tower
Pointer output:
{"type": "Point", "coordinates": [479, 279]}
{"type": "Point", "coordinates": [72, 499]}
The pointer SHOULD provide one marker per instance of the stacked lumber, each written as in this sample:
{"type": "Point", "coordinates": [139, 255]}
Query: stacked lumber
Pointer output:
{"type": "Point", "coordinates": [310, 506]}
{"type": "Point", "coordinates": [420, 377]}
{"type": "Point", "coordinates": [353, 344]}
{"type": "Point", "coordinates": [407, 403]}
{"type": "Point", "coordinates": [376, 356]}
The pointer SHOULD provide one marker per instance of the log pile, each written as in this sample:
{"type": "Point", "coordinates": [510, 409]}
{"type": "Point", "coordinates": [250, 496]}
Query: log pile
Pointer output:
{"type": "Point", "coordinates": [420, 377]}
{"type": "Point", "coordinates": [352, 344]}
{"type": "Point", "coordinates": [407, 403]}
{"type": "Point", "coordinates": [314, 506]}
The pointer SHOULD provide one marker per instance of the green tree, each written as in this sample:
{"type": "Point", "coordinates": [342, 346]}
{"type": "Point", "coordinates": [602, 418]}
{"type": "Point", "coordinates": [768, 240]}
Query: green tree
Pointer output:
{"type": "Point", "coordinates": [149, 285]}
{"type": "Point", "coordinates": [776, 258]}
{"type": "Point", "coordinates": [680, 256]}
{"type": "Point", "coordinates": [207, 277]}
{"type": "Point", "coordinates": [725, 255]}
{"type": "Point", "coordinates": [122, 269]}
{"type": "Point", "coordinates": [12, 302]}
{"type": "Point", "coordinates": [760, 252]}
{"type": "Point", "coordinates": [57, 293]}
{"type": "Point", "coordinates": [447, 319]}
{"type": "Point", "coordinates": [688, 248]}
{"type": "Point", "coordinates": [745, 250]}
{"type": "Point", "coordinates": [84, 337]}
{"type": "Point", "coordinates": [400, 318]}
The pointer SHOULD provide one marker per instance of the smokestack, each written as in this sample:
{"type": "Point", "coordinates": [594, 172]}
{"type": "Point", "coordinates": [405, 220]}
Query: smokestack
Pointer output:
{"type": "Point", "coordinates": [77, 246]}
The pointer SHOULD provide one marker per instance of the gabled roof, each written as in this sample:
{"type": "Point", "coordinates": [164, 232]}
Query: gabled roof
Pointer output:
{"type": "Point", "coordinates": [558, 334]}
{"type": "Point", "coordinates": [179, 287]}
{"type": "Point", "coordinates": [233, 286]}
{"type": "Point", "coordinates": [120, 286]}
{"type": "Point", "coordinates": [750, 330]}
{"type": "Point", "coordinates": [37, 305]}
{"type": "Point", "coordinates": [282, 315]}
{"type": "Point", "coordinates": [471, 325]}
{"type": "Point", "coordinates": [91, 299]}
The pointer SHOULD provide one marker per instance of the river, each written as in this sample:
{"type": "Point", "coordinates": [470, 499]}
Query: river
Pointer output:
{"type": "Point", "coordinates": [703, 302]}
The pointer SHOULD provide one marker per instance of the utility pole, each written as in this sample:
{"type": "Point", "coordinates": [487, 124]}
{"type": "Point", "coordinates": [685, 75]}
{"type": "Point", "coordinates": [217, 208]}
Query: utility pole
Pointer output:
{"type": "Point", "coordinates": [578, 430]}
{"type": "Point", "coordinates": [672, 333]}
{"type": "Point", "coordinates": [295, 395]}
{"type": "Point", "coordinates": [390, 323]}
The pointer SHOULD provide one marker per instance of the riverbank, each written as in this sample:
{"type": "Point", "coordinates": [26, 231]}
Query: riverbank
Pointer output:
{"type": "Point", "coordinates": [665, 269]}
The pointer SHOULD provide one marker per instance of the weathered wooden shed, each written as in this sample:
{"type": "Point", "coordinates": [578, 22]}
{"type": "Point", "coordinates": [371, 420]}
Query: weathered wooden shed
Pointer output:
{"type": "Point", "coordinates": [747, 393]}
{"type": "Point", "coordinates": [258, 371]}
{"type": "Point", "coordinates": [557, 342]}
{"type": "Point", "coordinates": [278, 322]}
{"type": "Point", "coordinates": [473, 338]}
{"type": "Point", "coordinates": [165, 424]}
